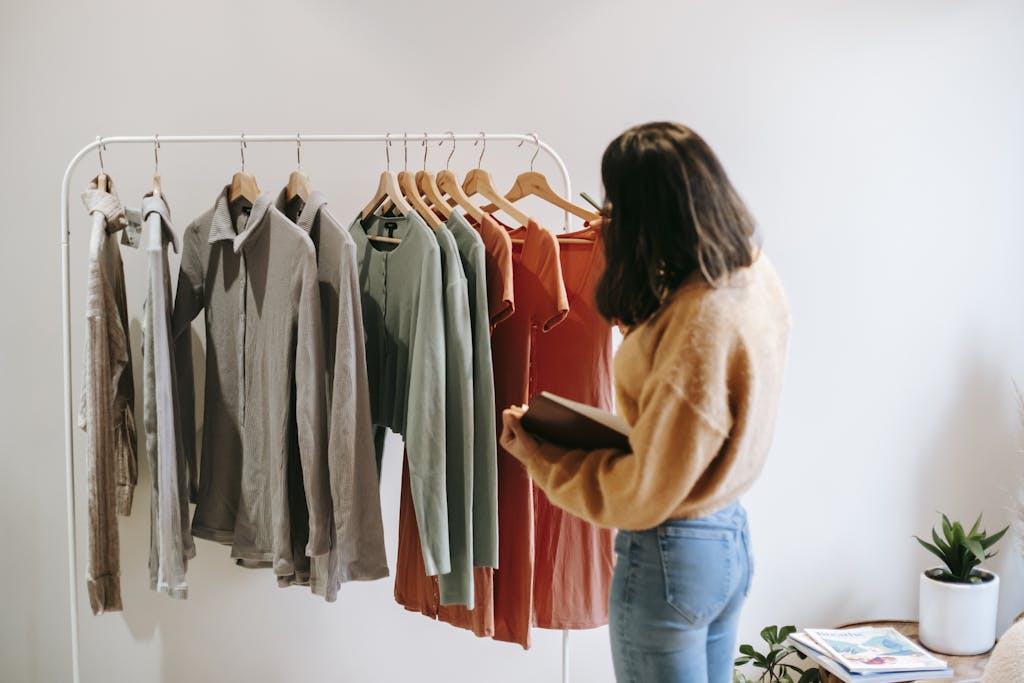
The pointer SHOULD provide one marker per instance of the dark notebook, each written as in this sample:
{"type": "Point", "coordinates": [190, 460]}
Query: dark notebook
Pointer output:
{"type": "Point", "coordinates": [575, 425]}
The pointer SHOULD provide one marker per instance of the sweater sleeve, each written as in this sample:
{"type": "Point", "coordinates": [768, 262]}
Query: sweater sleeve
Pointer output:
{"type": "Point", "coordinates": [310, 407]}
{"type": "Point", "coordinates": [672, 445]}
{"type": "Point", "coordinates": [425, 436]}
{"type": "Point", "coordinates": [355, 487]}
{"type": "Point", "coordinates": [683, 421]}
{"type": "Point", "coordinates": [188, 303]}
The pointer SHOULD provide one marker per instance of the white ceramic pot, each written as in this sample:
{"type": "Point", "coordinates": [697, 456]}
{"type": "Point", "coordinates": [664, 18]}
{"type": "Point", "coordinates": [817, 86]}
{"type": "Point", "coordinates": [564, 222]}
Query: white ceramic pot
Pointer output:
{"type": "Point", "coordinates": [958, 618]}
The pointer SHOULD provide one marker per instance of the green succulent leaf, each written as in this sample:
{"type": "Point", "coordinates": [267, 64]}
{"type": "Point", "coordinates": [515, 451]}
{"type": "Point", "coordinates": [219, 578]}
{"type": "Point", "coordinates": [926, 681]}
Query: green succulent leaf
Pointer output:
{"type": "Point", "coordinates": [939, 543]}
{"type": "Point", "coordinates": [977, 525]}
{"type": "Point", "coordinates": [990, 541]}
{"type": "Point", "coordinates": [974, 546]}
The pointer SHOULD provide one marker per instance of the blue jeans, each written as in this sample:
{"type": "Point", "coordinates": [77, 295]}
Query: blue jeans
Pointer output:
{"type": "Point", "coordinates": [676, 597]}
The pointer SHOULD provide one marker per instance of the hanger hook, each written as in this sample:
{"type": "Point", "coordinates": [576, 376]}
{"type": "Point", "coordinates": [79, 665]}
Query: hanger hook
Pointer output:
{"type": "Point", "coordinates": [536, 141]}
{"type": "Point", "coordinates": [241, 150]}
{"type": "Point", "coordinates": [156, 153]}
{"type": "Point", "coordinates": [405, 151]}
{"type": "Point", "coordinates": [100, 150]}
{"type": "Point", "coordinates": [387, 149]}
{"type": "Point", "coordinates": [483, 137]}
{"type": "Point", "coordinates": [298, 150]}
{"type": "Point", "coordinates": [452, 153]}
{"type": "Point", "coordinates": [426, 148]}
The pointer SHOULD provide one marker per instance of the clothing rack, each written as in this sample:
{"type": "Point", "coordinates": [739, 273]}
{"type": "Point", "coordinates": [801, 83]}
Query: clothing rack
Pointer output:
{"type": "Point", "coordinates": [242, 139]}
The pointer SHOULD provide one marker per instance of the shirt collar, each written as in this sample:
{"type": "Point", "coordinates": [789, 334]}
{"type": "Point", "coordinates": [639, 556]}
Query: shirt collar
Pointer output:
{"type": "Point", "coordinates": [221, 227]}
{"type": "Point", "coordinates": [106, 203]}
{"type": "Point", "coordinates": [151, 204]}
{"type": "Point", "coordinates": [309, 211]}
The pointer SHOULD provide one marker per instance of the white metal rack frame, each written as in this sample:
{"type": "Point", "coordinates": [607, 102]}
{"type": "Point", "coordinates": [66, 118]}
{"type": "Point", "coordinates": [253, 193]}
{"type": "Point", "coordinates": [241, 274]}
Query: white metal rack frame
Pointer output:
{"type": "Point", "coordinates": [100, 144]}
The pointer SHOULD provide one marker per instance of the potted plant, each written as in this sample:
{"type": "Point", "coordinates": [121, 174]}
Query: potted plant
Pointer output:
{"type": "Point", "coordinates": [958, 602]}
{"type": "Point", "coordinates": [775, 664]}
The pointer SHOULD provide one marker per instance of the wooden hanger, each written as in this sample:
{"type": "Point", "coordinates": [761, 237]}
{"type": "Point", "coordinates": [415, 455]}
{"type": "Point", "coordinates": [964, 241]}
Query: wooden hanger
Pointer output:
{"type": "Point", "coordinates": [407, 181]}
{"type": "Point", "coordinates": [387, 188]}
{"type": "Point", "coordinates": [156, 167]}
{"type": "Point", "coordinates": [479, 181]}
{"type": "Point", "coordinates": [102, 180]}
{"type": "Point", "coordinates": [407, 184]}
{"type": "Point", "coordinates": [426, 185]}
{"type": "Point", "coordinates": [449, 184]}
{"type": "Point", "coordinates": [298, 182]}
{"type": "Point", "coordinates": [243, 185]}
{"type": "Point", "coordinates": [534, 183]}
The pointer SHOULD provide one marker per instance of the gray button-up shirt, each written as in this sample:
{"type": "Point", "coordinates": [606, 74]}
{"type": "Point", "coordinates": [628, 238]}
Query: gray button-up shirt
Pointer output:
{"type": "Point", "coordinates": [170, 545]}
{"type": "Point", "coordinates": [357, 543]}
{"type": "Point", "coordinates": [403, 313]}
{"type": "Point", "coordinates": [107, 399]}
{"type": "Point", "coordinates": [255, 278]}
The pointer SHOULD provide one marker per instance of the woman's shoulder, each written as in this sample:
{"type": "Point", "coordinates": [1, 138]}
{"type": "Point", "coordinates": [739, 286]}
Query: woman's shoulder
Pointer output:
{"type": "Point", "coordinates": [749, 298]}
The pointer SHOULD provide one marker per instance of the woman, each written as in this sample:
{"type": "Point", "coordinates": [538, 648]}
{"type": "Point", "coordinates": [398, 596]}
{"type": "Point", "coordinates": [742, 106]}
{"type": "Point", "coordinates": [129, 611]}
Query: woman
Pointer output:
{"type": "Point", "coordinates": [698, 377]}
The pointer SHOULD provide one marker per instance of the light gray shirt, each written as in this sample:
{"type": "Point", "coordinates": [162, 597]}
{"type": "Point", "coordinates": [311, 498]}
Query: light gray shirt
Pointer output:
{"type": "Point", "coordinates": [108, 395]}
{"type": "Point", "coordinates": [403, 315]}
{"type": "Point", "coordinates": [485, 435]}
{"type": "Point", "coordinates": [171, 544]}
{"type": "Point", "coordinates": [357, 542]}
{"type": "Point", "coordinates": [254, 276]}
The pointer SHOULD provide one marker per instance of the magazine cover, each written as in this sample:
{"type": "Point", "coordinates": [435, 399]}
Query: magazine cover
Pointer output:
{"type": "Point", "coordinates": [816, 654]}
{"type": "Point", "coordinates": [863, 650]}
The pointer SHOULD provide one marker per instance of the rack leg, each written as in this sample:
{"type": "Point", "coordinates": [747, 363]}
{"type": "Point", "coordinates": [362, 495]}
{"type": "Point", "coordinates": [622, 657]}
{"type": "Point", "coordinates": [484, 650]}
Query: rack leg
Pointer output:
{"type": "Point", "coordinates": [565, 656]}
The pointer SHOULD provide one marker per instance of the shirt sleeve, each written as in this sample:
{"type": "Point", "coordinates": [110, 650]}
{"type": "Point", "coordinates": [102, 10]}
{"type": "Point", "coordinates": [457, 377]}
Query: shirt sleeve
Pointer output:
{"type": "Point", "coordinates": [188, 303]}
{"type": "Point", "coordinates": [104, 578]}
{"type": "Point", "coordinates": [355, 488]}
{"type": "Point", "coordinates": [425, 417]}
{"type": "Point", "coordinates": [541, 256]}
{"type": "Point", "coordinates": [457, 587]}
{"type": "Point", "coordinates": [682, 426]}
{"type": "Point", "coordinates": [309, 405]}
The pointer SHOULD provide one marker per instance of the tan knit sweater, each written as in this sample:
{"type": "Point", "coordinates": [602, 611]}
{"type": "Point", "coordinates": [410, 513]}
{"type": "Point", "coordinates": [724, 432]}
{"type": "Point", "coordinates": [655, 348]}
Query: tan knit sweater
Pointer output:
{"type": "Point", "coordinates": [699, 382]}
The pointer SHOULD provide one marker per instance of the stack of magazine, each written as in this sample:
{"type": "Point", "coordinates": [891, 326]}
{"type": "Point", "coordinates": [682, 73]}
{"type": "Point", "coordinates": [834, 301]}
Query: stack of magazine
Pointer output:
{"type": "Point", "coordinates": [869, 655]}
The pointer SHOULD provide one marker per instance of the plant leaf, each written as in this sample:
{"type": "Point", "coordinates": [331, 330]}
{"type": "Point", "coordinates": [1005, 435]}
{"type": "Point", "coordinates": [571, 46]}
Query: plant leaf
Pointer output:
{"type": "Point", "coordinates": [930, 548]}
{"type": "Point", "coordinates": [770, 634]}
{"type": "Point", "coordinates": [947, 528]}
{"type": "Point", "coordinates": [974, 546]}
{"type": "Point", "coordinates": [977, 524]}
{"type": "Point", "coordinates": [990, 541]}
{"type": "Point", "coordinates": [810, 676]}
{"type": "Point", "coordinates": [785, 632]}
{"type": "Point", "coordinates": [939, 543]}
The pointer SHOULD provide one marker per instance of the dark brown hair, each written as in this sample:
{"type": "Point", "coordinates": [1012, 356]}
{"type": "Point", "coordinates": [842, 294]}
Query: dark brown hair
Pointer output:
{"type": "Point", "coordinates": [670, 211]}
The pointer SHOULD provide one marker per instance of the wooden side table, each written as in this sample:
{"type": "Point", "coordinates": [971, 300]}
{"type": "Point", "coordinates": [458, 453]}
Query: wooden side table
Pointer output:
{"type": "Point", "coordinates": [964, 668]}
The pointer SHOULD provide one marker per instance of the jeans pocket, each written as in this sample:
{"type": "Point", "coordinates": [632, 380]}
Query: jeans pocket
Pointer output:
{"type": "Point", "coordinates": [698, 565]}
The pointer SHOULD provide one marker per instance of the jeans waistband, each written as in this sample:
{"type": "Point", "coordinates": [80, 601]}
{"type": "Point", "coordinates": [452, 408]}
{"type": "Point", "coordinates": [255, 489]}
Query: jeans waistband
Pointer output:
{"type": "Point", "coordinates": [732, 515]}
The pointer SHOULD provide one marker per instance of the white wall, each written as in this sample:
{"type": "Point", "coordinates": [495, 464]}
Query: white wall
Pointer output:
{"type": "Point", "coordinates": [879, 144]}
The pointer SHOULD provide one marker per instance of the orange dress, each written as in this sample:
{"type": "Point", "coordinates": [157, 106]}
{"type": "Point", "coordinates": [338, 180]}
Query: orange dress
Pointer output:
{"type": "Point", "coordinates": [573, 559]}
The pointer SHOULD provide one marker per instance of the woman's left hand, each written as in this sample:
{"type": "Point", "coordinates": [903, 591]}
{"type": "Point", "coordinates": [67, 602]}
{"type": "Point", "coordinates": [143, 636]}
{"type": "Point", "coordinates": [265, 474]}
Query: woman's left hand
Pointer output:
{"type": "Point", "coordinates": [514, 439]}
